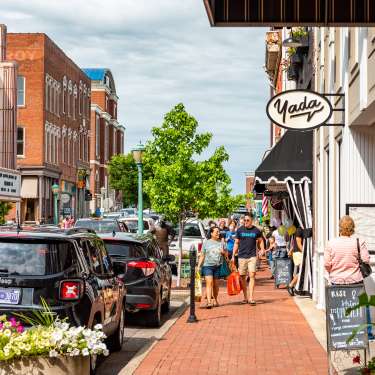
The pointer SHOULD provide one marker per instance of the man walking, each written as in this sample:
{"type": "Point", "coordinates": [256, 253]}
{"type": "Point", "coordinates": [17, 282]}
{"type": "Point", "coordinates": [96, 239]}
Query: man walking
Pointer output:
{"type": "Point", "coordinates": [247, 239]}
{"type": "Point", "coordinates": [164, 235]}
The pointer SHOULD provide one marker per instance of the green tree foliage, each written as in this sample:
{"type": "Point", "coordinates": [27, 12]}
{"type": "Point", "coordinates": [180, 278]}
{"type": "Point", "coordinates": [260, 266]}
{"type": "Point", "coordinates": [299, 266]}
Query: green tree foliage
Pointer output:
{"type": "Point", "coordinates": [5, 207]}
{"type": "Point", "coordinates": [123, 176]}
{"type": "Point", "coordinates": [180, 184]}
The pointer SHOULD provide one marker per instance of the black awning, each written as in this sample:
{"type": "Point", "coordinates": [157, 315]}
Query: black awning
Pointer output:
{"type": "Point", "coordinates": [289, 160]}
{"type": "Point", "coordinates": [290, 12]}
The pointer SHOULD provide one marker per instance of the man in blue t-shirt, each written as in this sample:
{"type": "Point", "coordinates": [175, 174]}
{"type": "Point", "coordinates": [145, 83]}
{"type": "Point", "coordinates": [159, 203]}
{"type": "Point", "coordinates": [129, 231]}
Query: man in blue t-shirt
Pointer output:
{"type": "Point", "coordinates": [248, 237]}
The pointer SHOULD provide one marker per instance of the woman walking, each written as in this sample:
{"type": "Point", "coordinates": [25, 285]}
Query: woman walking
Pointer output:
{"type": "Point", "coordinates": [341, 257]}
{"type": "Point", "coordinates": [210, 260]}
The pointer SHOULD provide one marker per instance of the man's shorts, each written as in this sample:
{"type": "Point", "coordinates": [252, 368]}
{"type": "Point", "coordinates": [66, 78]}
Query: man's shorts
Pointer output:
{"type": "Point", "coordinates": [247, 265]}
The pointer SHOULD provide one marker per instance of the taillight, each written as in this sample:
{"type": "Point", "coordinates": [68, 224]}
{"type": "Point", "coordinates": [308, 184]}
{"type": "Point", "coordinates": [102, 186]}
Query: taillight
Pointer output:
{"type": "Point", "coordinates": [147, 267]}
{"type": "Point", "coordinates": [71, 290]}
{"type": "Point", "coordinates": [200, 247]}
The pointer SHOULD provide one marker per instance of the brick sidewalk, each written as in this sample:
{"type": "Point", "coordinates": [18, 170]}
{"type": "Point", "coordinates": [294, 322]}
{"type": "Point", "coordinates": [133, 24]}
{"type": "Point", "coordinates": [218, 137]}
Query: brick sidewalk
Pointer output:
{"type": "Point", "coordinates": [268, 339]}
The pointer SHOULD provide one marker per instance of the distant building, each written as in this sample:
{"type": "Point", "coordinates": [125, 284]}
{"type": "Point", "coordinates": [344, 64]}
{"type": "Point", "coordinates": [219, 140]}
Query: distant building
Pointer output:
{"type": "Point", "coordinates": [107, 138]}
{"type": "Point", "coordinates": [53, 128]}
{"type": "Point", "coordinates": [9, 177]}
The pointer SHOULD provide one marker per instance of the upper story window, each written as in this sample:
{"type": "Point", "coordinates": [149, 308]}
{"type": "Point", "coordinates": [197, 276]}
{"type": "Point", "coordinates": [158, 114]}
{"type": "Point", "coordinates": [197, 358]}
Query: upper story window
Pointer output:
{"type": "Point", "coordinates": [97, 136]}
{"type": "Point", "coordinates": [21, 91]}
{"type": "Point", "coordinates": [20, 141]}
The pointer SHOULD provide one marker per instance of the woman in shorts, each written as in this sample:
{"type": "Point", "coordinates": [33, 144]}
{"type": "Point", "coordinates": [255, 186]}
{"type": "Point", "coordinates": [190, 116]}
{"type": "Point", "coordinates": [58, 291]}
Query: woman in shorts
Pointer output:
{"type": "Point", "coordinates": [210, 259]}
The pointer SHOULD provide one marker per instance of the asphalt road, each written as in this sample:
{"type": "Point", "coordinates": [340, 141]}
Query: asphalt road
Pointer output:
{"type": "Point", "coordinates": [137, 338]}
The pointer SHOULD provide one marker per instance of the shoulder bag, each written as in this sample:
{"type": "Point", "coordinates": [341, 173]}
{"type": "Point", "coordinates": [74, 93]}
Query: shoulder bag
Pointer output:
{"type": "Point", "coordinates": [365, 268]}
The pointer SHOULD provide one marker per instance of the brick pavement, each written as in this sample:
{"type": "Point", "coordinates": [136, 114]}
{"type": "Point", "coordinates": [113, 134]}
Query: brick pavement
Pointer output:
{"type": "Point", "coordinates": [268, 339]}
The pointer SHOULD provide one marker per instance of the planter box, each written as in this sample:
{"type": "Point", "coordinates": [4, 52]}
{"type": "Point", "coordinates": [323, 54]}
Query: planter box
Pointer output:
{"type": "Point", "coordinates": [46, 366]}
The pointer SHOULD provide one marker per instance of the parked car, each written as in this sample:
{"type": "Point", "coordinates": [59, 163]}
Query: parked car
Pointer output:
{"type": "Point", "coordinates": [71, 270]}
{"type": "Point", "coordinates": [132, 224]}
{"type": "Point", "coordinates": [194, 234]}
{"type": "Point", "coordinates": [145, 272]}
{"type": "Point", "coordinates": [129, 211]}
{"type": "Point", "coordinates": [100, 225]}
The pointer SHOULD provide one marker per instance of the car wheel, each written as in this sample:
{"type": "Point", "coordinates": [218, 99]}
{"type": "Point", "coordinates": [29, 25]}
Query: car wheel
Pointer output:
{"type": "Point", "coordinates": [153, 317]}
{"type": "Point", "coordinates": [116, 340]}
{"type": "Point", "coordinates": [167, 303]}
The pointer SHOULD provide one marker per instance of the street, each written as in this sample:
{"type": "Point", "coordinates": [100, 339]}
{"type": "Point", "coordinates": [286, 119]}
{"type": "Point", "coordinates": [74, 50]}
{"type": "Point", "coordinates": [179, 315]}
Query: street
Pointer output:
{"type": "Point", "coordinates": [138, 339]}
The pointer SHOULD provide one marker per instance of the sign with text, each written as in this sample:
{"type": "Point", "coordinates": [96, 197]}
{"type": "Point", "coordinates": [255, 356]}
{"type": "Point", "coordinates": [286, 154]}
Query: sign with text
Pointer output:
{"type": "Point", "coordinates": [10, 184]}
{"type": "Point", "coordinates": [282, 271]}
{"type": "Point", "coordinates": [339, 326]}
{"type": "Point", "coordinates": [299, 110]}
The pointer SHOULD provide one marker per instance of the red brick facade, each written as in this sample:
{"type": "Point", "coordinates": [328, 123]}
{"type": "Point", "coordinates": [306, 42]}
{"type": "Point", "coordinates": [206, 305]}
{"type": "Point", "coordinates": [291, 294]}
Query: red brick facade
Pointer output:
{"type": "Point", "coordinates": [54, 125]}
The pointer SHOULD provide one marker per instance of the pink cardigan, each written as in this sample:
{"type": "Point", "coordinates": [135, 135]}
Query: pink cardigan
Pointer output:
{"type": "Point", "coordinates": [341, 260]}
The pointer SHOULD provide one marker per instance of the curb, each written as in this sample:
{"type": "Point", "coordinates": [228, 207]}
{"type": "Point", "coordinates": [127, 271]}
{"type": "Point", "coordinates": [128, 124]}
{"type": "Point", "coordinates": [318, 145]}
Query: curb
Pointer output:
{"type": "Point", "coordinates": [133, 364]}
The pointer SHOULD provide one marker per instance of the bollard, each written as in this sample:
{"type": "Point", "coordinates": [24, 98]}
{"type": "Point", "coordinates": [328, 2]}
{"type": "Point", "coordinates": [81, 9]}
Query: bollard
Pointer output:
{"type": "Point", "coordinates": [193, 260]}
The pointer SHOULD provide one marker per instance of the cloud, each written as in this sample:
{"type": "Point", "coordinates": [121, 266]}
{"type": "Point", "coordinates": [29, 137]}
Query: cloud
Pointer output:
{"type": "Point", "coordinates": [161, 53]}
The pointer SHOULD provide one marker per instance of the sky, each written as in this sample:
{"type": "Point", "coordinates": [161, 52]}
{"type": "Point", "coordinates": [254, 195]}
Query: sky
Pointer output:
{"type": "Point", "coordinates": [163, 52]}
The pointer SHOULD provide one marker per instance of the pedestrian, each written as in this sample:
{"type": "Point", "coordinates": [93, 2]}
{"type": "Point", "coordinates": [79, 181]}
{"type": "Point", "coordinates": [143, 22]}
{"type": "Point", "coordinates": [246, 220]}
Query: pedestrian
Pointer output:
{"type": "Point", "coordinates": [230, 238]}
{"type": "Point", "coordinates": [211, 225]}
{"type": "Point", "coordinates": [341, 256]}
{"type": "Point", "coordinates": [164, 235]}
{"type": "Point", "coordinates": [270, 253]}
{"type": "Point", "coordinates": [280, 238]}
{"type": "Point", "coordinates": [209, 262]}
{"type": "Point", "coordinates": [223, 228]}
{"type": "Point", "coordinates": [248, 238]}
{"type": "Point", "coordinates": [295, 253]}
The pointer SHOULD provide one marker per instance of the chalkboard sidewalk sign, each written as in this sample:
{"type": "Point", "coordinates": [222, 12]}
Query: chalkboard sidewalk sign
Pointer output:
{"type": "Point", "coordinates": [283, 268]}
{"type": "Point", "coordinates": [340, 326]}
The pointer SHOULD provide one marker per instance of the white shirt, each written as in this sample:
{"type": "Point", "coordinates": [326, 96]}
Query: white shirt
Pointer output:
{"type": "Point", "coordinates": [280, 241]}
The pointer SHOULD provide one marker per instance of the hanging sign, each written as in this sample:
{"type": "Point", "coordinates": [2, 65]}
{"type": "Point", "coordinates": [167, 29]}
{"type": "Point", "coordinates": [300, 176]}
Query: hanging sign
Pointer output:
{"type": "Point", "coordinates": [299, 110]}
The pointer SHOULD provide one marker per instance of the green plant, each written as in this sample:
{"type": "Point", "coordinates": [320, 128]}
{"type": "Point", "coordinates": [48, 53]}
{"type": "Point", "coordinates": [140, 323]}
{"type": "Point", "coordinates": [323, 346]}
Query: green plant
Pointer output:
{"type": "Point", "coordinates": [44, 317]}
{"type": "Point", "coordinates": [291, 51]}
{"type": "Point", "coordinates": [300, 32]}
{"type": "Point", "coordinates": [5, 207]}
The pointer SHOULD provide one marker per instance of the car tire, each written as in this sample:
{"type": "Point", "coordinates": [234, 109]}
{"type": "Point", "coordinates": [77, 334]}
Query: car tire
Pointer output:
{"type": "Point", "coordinates": [116, 340]}
{"type": "Point", "coordinates": [153, 317]}
{"type": "Point", "coordinates": [167, 303]}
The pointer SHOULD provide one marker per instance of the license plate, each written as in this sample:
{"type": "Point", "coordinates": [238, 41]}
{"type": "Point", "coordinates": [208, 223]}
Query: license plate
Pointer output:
{"type": "Point", "coordinates": [9, 296]}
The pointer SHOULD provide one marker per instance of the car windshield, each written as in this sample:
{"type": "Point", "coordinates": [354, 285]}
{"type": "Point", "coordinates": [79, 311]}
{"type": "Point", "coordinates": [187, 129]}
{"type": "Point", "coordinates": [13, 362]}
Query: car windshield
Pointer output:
{"type": "Point", "coordinates": [99, 226]}
{"type": "Point", "coordinates": [35, 258]}
{"type": "Point", "coordinates": [125, 249]}
{"type": "Point", "coordinates": [133, 225]}
{"type": "Point", "coordinates": [190, 230]}
{"type": "Point", "coordinates": [130, 211]}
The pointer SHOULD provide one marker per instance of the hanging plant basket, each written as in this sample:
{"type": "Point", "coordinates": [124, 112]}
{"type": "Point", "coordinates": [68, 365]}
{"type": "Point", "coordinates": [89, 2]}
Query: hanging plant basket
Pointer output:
{"type": "Point", "coordinates": [60, 365]}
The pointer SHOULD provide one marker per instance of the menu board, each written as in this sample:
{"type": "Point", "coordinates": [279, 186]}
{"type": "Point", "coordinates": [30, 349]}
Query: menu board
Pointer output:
{"type": "Point", "coordinates": [282, 271]}
{"type": "Point", "coordinates": [364, 219]}
{"type": "Point", "coordinates": [340, 326]}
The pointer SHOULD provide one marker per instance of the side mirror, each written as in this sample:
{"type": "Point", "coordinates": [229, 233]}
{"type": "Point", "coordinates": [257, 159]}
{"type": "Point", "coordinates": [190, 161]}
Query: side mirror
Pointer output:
{"type": "Point", "coordinates": [119, 269]}
{"type": "Point", "coordinates": [169, 258]}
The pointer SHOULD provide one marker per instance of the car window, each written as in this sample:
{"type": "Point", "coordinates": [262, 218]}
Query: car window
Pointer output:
{"type": "Point", "coordinates": [99, 226]}
{"type": "Point", "coordinates": [107, 264]}
{"type": "Point", "coordinates": [93, 258]}
{"type": "Point", "coordinates": [33, 257]}
{"type": "Point", "coordinates": [125, 249]}
{"type": "Point", "coordinates": [190, 230]}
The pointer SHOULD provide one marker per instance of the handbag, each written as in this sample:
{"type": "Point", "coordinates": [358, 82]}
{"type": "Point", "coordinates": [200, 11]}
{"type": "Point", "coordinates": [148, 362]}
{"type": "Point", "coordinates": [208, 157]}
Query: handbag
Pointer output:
{"type": "Point", "coordinates": [234, 284]}
{"type": "Point", "coordinates": [224, 270]}
{"type": "Point", "coordinates": [365, 268]}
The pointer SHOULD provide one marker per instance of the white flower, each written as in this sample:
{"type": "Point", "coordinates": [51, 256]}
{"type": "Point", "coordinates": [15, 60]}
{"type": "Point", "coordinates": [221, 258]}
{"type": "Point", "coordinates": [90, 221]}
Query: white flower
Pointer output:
{"type": "Point", "coordinates": [56, 336]}
{"type": "Point", "coordinates": [53, 353]}
{"type": "Point", "coordinates": [98, 327]}
{"type": "Point", "coordinates": [7, 332]}
{"type": "Point", "coordinates": [85, 352]}
{"type": "Point", "coordinates": [75, 353]}
{"type": "Point", "coordinates": [106, 352]}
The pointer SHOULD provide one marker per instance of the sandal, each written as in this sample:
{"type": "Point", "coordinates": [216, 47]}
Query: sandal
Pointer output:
{"type": "Point", "coordinates": [244, 302]}
{"type": "Point", "coordinates": [252, 303]}
{"type": "Point", "coordinates": [216, 304]}
{"type": "Point", "coordinates": [209, 306]}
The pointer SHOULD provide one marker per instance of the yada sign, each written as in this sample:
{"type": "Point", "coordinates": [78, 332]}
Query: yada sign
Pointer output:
{"type": "Point", "coordinates": [299, 110]}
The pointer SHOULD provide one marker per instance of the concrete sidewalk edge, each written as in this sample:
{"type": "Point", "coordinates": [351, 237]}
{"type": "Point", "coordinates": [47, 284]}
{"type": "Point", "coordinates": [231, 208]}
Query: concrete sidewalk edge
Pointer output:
{"type": "Point", "coordinates": [133, 364]}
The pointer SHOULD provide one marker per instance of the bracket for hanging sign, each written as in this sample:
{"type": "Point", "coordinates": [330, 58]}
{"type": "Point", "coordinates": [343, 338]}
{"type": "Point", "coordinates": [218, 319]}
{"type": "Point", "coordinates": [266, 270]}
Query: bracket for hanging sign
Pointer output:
{"type": "Point", "coordinates": [303, 109]}
{"type": "Point", "coordinates": [341, 97]}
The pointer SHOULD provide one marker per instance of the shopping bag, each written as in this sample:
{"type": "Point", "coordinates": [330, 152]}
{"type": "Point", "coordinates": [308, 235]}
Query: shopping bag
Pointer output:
{"type": "Point", "coordinates": [198, 287]}
{"type": "Point", "coordinates": [234, 284]}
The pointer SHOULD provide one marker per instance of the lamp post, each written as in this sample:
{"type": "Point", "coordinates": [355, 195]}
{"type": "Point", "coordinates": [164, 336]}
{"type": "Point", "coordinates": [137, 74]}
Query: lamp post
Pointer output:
{"type": "Point", "coordinates": [138, 152]}
{"type": "Point", "coordinates": [55, 191]}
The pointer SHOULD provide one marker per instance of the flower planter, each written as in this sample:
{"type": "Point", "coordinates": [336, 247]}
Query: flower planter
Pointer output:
{"type": "Point", "coordinates": [46, 366]}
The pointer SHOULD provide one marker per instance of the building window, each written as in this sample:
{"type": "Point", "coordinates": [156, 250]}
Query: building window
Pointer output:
{"type": "Point", "coordinates": [20, 91]}
{"type": "Point", "coordinates": [106, 103]}
{"type": "Point", "coordinates": [47, 93]}
{"type": "Point", "coordinates": [114, 142]}
{"type": "Point", "coordinates": [20, 141]}
{"type": "Point", "coordinates": [97, 136]}
{"type": "Point", "coordinates": [106, 142]}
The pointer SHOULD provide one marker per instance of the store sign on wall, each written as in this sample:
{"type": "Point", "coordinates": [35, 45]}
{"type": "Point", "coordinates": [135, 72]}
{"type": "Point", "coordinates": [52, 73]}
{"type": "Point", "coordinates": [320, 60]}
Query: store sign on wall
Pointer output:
{"type": "Point", "coordinates": [10, 184]}
{"type": "Point", "coordinates": [299, 110]}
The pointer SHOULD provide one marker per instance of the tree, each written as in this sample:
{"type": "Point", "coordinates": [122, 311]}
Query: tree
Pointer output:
{"type": "Point", "coordinates": [123, 176]}
{"type": "Point", "coordinates": [5, 207]}
{"type": "Point", "coordinates": [181, 185]}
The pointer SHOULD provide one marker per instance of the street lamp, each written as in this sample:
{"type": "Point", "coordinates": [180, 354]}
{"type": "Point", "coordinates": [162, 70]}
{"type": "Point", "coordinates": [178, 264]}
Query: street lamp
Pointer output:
{"type": "Point", "coordinates": [55, 191]}
{"type": "Point", "coordinates": [138, 152]}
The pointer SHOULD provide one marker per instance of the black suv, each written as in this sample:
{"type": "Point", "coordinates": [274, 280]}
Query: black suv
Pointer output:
{"type": "Point", "coordinates": [146, 273]}
{"type": "Point", "coordinates": [71, 270]}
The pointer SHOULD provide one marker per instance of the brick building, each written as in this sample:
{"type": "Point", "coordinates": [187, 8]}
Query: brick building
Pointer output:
{"type": "Point", "coordinates": [53, 127]}
{"type": "Point", "coordinates": [107, 136]}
